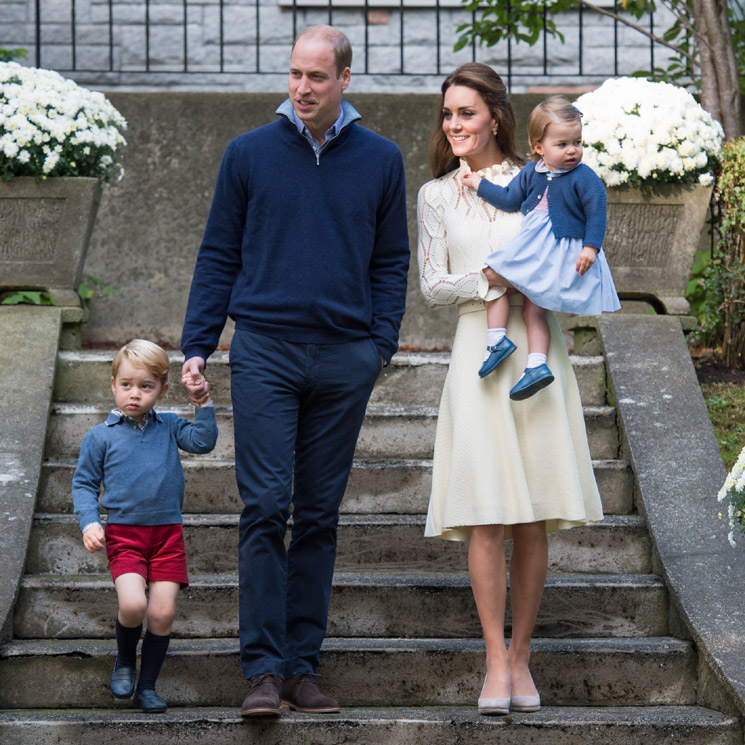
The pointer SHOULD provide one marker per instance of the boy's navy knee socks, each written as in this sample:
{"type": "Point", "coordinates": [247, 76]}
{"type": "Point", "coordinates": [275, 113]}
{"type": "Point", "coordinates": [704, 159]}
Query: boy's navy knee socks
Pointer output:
{"type": "Point", "coordinates": [126, 644]}
{"type": "Point", "coordinates": [154, 650]}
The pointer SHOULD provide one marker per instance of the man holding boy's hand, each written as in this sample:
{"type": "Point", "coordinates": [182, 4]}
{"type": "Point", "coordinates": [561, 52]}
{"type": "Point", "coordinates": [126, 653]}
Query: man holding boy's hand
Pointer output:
{"type": "Point", "coordinates": [306, 248]}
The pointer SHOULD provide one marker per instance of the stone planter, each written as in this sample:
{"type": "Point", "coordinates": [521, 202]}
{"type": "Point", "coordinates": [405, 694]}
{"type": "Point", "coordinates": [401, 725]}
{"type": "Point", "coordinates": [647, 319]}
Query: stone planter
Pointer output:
{"type": "Point", "coordinates": [651, 241]}
{"type": "Point", "coordinates": [45, 229]}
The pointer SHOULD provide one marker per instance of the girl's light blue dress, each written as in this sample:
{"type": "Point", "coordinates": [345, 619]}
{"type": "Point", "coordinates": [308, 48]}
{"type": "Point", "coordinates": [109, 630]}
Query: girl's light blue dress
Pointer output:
{"type": "Point", "coordinates": [544, 268]}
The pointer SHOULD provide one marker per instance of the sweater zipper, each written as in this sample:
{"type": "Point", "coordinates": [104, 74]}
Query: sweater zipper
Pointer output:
{"type": "Point", "coordinates": [313, 150]}
{"type": "Point", "coordinates": [324, 147]}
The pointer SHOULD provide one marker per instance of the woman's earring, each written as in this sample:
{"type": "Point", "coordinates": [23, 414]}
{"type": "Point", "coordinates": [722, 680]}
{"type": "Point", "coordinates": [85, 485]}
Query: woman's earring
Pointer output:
{"type": "Point", "coordinates": [494, 131]}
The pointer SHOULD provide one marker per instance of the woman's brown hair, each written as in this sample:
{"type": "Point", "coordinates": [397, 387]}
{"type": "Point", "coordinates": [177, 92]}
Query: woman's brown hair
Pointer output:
{"type": "Point", "coordinates": [493, 92]}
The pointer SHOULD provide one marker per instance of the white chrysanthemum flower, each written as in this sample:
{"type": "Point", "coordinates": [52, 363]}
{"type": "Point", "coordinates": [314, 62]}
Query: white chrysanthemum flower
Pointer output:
{"type": "Point", "coordinates": [9, 147]}
{"type": "Point", "coordinates": [50, 162]}
{"type": "Point", "coordinates": [634, 129]}
{"type": "Point", "coordinates": [43, 115]}
{"type": "Point", "coordinates": [615, 178]}
{"type": "Point", "coordinates": [733, 490]}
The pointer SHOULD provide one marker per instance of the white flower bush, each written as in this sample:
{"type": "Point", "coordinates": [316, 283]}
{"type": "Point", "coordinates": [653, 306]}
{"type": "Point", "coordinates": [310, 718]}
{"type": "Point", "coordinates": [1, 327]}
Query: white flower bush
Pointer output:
{"type": "Point", "coordinates": [50, 126]}
{"type": "Point", "coordinates": [643, 133]}
{"type": "Point", "coordinates": [733, 490]}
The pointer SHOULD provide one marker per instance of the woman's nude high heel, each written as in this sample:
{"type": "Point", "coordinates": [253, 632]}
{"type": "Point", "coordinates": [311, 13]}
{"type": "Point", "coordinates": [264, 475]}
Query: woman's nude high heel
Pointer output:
{"type": "Point", "coordinates": [525, 703]}
{"type": "Point", "coordinates": [498, 706]}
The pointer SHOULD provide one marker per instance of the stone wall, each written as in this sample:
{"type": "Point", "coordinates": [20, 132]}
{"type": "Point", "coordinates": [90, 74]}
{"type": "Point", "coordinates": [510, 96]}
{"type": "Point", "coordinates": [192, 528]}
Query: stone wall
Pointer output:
{"type": "Point", "coordinates": [150, 225]}
{"type": "Point", "coordinates": [156, 59]}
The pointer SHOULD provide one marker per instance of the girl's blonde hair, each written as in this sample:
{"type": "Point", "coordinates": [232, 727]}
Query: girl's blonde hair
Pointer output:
{"type": "Point", "coordinates": [554, 110]}
{"type": "Point", "coordinates": [143, 353]}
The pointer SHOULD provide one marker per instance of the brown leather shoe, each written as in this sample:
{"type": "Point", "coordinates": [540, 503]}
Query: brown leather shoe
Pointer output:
{"type": "Point", "coordinates": [301, 693]}
{"type": "Point", "coordinates": [263, 696]}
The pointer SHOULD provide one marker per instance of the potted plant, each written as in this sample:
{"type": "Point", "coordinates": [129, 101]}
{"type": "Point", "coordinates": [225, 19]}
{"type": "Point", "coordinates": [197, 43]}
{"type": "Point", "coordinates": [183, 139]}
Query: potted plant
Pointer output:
{"type": "Point", "coordinates": [58, 145]}
{"type": "Point", "coordinates": [655, 148]}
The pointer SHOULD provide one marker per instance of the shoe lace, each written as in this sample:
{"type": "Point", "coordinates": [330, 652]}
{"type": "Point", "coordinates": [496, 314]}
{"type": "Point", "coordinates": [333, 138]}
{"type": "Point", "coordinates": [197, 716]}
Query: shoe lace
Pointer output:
{"type": "Point", "coordinates": [306, 676]}
{"type": "Point", "coordinates": [258, 680]}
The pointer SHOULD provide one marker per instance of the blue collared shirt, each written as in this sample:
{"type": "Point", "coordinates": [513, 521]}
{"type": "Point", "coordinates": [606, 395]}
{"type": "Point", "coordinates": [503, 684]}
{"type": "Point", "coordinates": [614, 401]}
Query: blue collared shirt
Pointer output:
{"type": "Point", "coordinates": [329, 135]}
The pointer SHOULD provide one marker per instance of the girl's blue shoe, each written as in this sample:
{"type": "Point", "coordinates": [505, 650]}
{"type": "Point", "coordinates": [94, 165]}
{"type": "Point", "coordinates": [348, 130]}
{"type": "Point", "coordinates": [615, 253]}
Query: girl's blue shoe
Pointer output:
{"type": "Point", "coordinates": [497, 354]}
{"type": "Point", "coordinates": [533, 379]}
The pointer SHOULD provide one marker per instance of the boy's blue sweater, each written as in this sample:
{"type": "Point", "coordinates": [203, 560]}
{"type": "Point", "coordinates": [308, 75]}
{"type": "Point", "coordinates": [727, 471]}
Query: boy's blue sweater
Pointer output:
{"type": "Point", "coordinates": [302, 248]}
{"type": "Point", "coordinates": [576, 200]}
{"type": "Point", "coordinates": [140, 469]}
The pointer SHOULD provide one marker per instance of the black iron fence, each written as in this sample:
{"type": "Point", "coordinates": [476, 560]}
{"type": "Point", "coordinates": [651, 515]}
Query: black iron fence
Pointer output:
{"type": "Point", "coordinates": [238, 37]}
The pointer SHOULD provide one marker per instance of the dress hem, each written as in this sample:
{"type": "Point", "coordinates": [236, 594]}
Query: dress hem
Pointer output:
{"type": "Point", "coordinates": [462, 533]}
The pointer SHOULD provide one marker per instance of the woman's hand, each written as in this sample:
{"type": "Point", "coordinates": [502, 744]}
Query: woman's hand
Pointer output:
{"type": "Point", "coordinates": [491, 276]}
{"type": "Point", "coordinates": [586, 259]}
{"type": "Point", "coordinates": [494, 279]}
{"type": "Point", "coordinates": [472, 180]}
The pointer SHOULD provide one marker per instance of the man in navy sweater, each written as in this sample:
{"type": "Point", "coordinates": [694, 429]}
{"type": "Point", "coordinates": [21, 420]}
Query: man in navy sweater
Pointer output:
{"type": "Point", "coordinates": [306, 248]}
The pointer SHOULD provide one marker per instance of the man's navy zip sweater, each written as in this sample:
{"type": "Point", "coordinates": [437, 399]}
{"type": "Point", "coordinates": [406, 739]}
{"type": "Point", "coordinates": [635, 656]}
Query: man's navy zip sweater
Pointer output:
{"type": "Point", "coordinates": [303, 248]}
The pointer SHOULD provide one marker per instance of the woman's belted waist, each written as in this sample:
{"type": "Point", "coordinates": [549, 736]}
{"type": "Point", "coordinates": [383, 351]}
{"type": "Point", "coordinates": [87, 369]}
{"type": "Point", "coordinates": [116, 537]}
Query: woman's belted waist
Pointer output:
{"type": "Point", "coordinates": [471, 306]}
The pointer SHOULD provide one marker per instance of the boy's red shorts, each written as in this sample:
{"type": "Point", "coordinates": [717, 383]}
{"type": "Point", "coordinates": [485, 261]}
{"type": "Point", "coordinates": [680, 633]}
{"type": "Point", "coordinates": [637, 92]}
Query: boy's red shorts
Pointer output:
{"type": "Point", "coordinates": [155, 552]}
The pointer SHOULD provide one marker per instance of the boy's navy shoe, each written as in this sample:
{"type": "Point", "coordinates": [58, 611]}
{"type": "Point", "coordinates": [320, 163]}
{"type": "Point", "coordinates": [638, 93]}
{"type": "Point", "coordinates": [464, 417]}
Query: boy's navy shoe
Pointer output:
{"type": "Point", "coordinates": [150, 701]}
{"type": "Point", "coordinates": [497, 354]}
{"type": "Point", "coordinates": [123, 680]}
{"type": "Point", "coordinates": [531, 382]}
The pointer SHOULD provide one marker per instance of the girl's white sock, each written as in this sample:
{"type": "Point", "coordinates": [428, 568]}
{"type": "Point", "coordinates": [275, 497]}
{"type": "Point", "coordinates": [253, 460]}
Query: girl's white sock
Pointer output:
{"type": "Point", "coordinates": [535, 359]}
{"type": "Point", "coordinates": [494, 336]}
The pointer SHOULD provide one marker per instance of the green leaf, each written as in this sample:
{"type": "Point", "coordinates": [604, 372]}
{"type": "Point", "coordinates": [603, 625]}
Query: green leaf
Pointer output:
{"type": "Point", "coordinates": [27, 297]}
{"type": "Point", "coordinates": [8, 55]}
{"type": "Point", "coordinates": [93, 287]}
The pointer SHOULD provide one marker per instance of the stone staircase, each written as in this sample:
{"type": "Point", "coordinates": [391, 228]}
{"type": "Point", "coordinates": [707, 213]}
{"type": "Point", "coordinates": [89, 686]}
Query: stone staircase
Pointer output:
{"type": "Point", "coordinates": [404, 651]}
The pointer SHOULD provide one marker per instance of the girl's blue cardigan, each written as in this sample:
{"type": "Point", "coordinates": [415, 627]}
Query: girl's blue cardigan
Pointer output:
{"type": "Point", "coordinates": [576, 200]}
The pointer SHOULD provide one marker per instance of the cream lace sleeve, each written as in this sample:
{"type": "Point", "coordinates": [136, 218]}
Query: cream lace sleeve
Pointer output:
{"type": "Point", "coordinates": [440, 286]}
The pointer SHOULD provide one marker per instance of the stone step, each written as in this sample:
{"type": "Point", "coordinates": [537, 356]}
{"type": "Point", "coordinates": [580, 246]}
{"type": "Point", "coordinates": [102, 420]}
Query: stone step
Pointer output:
{"type": "Point", "coordinates": [388, 431]}
{"type": "Point", "coordinates": [363, 672]}
{"type": "Point", "coordinates": [630, 725]}
{"type": "Point", "coordinates": [410, 379]}
{"type": "Point", "coordinates": [375, 487]}
{"type": "Point", "coordinates": [375, 604]}
{"type": "Point", "coordinates": [373, 542]}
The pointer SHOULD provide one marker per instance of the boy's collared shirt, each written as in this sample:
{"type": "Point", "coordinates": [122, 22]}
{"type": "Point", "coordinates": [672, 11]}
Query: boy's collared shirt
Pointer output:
{"type": "Point", "coordinates": [116, 414]}
{"type": "Point", "coordinates": [139, 467]}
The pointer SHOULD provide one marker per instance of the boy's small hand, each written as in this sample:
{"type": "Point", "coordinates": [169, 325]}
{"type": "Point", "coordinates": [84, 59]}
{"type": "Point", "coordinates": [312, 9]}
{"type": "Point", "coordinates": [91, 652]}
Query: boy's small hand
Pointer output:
{"type": "Point", "coordinates": [198, 389]}
{"type": "Point", "coordinates": [472, 180]}
{"type": "Point", "coordinates": [199, 397]}
{"type": "Point", "coordinates": [192, 378]}
{"type": "Point", "coordinates": [586, 259]}
{"type": "Point", "coordinates": [93, 538]}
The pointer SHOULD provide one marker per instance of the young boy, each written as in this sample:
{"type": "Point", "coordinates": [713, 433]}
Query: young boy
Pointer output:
{"type": "Point", "coordinates": [135, 454]}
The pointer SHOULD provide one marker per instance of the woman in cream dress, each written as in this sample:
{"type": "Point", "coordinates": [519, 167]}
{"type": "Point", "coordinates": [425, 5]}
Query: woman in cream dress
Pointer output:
{"type": "Point", "coordinates": [502, 469]}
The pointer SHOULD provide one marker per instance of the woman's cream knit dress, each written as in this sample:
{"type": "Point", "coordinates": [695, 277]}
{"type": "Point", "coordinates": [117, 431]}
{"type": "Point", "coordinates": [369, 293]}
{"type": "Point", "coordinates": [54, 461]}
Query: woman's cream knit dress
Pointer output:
{"type": "Point", "coordinates": [496, 461]}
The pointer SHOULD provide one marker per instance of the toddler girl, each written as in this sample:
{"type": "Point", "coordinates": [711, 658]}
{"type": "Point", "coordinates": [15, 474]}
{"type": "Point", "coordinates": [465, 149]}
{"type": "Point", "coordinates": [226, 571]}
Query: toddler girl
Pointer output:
{"type": "Point", "coordinates": [556, 260]}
